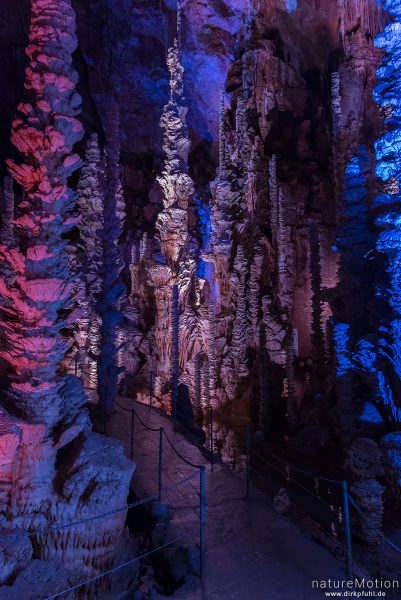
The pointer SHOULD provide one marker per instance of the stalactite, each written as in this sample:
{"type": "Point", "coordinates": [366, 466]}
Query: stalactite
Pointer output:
{"type": "Point", "coordinates": [7, 225]}
{"type": "Point", "coordinates": [360, 11]}
{"type": "Point", "coordinates": [112, 286]}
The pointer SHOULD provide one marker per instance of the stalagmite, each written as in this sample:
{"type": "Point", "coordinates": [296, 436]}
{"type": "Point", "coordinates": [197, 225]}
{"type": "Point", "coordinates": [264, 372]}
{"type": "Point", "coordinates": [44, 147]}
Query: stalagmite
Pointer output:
{"type": "Point", "coordinates": [335, 103]}
{"type": "Point", "coordinates": [273, 198]}
{"type": "Point", "coordinates": [112, 286]}
{"type": "Point", "coordinates": [7, 225]}
{"type": "Point", "coordinates": [176, 185]}
{"type": "Point", "coordinates": [264, 413]}
{"type": "Point", "coordinates": [364, 467]}
{"type": "Point", "coordinates": [175, 349]}
{"type": "Point", "coordinates": [198, 385]}
{"type": "Point", "coordinates": [285, 257]}
{"type": "Point", "coordinates": [42, 408]}
{"type": "Point", "coordinates": [172, 222]}
{"type": "Point", "coordinates": [254, 301]}
{"type": "Point", "coordinates": [222, 139]}
{"type": "Point", "coordinates": [90, 202]}
{"type": "Point", "coordinates": [241, 326]}
{"type": "Point", "coordinates": [43, 288]}
{"type": "Point", "coordinates": [317, 317]}
{"type": "Point", "coordinates": [292, 411]}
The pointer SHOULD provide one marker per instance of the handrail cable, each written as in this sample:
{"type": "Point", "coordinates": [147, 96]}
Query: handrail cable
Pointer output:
{"type": "Point", "coordinates": [291, 479]}
{"type": "Point", "coordinates": [188, 462]}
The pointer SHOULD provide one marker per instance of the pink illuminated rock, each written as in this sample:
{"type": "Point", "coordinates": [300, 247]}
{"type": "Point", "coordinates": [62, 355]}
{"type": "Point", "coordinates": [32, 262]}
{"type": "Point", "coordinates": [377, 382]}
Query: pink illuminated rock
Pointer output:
{"type": "Point", "coordinates": [43, 407]}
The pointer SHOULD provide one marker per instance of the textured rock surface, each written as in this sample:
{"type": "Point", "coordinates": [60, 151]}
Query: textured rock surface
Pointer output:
{"type": "Point", "coordinates": [41, 579]}
{"type": "Point", "coordinates": [15, 553]}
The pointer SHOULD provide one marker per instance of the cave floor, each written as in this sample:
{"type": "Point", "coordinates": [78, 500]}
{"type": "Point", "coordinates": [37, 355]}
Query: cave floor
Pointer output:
{"type": "Point", "coordinates": [252, 552]}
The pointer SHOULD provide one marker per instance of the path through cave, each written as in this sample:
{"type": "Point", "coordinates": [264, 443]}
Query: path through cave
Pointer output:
{"type": "Point", "coordinates": [251, 551]}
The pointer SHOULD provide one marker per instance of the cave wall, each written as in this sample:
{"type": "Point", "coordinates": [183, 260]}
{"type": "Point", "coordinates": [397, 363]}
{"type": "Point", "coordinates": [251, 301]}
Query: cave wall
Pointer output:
{"type": "Point", "coordinates": [279, 129]}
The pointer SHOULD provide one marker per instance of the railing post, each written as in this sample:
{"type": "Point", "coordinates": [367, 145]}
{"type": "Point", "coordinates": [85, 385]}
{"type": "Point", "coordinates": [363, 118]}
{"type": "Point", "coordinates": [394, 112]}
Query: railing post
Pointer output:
{"type": "Point", "coordinates": [211, 438]}
{"type": "Point", "coordinates": [160, 461]}
{"type": "Point", "coordinates": [132, 433]}
{"type": "Point", "coordinates": [248, 460]}
{"type": "Point", "coordinates": [201, 520]}
{"type": "Point", "coordinates": [344, 488]}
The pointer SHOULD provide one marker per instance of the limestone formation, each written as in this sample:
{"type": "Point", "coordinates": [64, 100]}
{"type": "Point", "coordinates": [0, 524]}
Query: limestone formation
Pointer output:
{"type": "Point", "coordinates": [54, 470]}
{"type": "Point", "coordinates": [90, 202]}
{"type": "Point", "coordinates": [112, 287]}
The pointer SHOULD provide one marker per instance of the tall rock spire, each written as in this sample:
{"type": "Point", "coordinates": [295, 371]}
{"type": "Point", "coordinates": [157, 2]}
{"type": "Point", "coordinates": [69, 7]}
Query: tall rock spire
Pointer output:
{"type": "Point", "coordinates": [172, 223]}
{"type": "Point", "coordinates": [176, 185]}
{"type": "Point", "coordinates": [42, 408]}
{"type": "Point", "coordinates": [112, 286]}
{"type": "Point", "coordinates": [44, 133]}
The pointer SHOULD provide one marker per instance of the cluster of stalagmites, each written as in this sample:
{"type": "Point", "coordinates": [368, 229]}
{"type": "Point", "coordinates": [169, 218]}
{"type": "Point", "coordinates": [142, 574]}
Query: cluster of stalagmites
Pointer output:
{"type": "Point", "coordinates": [54, 470]}
{"type": "Point", "coordinates": [260, 283]}
{"type": "Point", "coordinates": [274, 293]}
